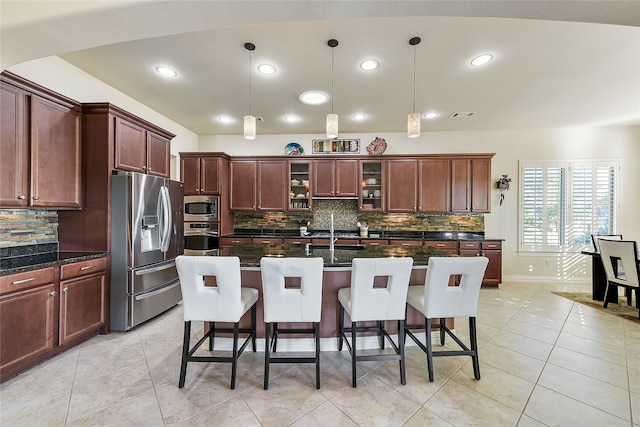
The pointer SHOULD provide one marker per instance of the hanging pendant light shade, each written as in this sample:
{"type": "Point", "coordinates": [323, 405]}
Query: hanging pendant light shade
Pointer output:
{"type": "Point", "coordinates": [332, 119]}
{"type": "Point", "coordinates": [249, 120]}
{"type": "Point", "coordinates": [413, 121]}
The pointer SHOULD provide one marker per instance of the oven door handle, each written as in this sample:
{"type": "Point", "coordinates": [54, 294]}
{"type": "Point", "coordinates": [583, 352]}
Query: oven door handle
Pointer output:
{"type": "Point", "coordinates": [202, 233]}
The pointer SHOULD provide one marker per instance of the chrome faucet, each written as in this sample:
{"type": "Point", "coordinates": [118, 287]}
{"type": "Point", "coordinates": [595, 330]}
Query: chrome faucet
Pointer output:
{"type": "Point", "coordinates": [332, 240]}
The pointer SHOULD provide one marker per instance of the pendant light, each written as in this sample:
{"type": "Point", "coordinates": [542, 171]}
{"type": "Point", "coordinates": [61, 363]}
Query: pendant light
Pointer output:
{"type": "Point", "coordinates": [413, 122]}
{"type": "Point", "coordinates": [249, 120]}
{"type": "Point", "coordinates": [332, 119]}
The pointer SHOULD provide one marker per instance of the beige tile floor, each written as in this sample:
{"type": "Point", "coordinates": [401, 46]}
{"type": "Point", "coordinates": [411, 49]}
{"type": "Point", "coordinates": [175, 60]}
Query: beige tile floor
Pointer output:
{"type": "Point", "coordinates": [544, 361]}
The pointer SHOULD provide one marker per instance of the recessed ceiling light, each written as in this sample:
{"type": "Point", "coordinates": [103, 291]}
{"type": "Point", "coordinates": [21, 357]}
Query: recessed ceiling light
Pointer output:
{"type": "Point", "coordinates": [431, 115]}
{"type": "Point", "coordinates": [266, 69]}
{"type": "Point", "coordinates": [290, 118]}
{"type": "Point", "coordinates": [166, 71]}
{"type": "Point", "coordinates": [359, 116]}
{"type": "Point", "coordinates": [369, 64]}
{"type": "Point", "coordinates": [481, 60]}
{"type": "Point", "coordinates": [224, 119]}
{"type": "Point", "coordinates": [313, 97]}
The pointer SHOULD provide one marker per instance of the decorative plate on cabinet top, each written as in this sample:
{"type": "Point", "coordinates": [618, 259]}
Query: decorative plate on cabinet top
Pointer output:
{"type": "Point", "coordinates": [293, 149]}
{"type": "Point", "coordinates": [377, 146]}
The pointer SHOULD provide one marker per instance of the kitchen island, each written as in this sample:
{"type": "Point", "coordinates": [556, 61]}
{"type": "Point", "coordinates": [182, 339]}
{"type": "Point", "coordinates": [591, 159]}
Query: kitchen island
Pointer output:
{"type": "Point", "coordinates": [337, 274]}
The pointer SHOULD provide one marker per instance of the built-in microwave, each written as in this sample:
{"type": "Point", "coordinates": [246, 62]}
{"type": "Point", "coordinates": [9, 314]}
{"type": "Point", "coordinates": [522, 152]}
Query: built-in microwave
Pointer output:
{"type": "Point", "coordinates": [201, 208]}
{"type": "Point", "coordinates": [201, 238]}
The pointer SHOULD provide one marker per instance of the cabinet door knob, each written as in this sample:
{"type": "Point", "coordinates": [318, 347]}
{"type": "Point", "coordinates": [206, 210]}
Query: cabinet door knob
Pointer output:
{"type": "Point", "coordinates": [144, 168]}
{"type": "Point", "coordinates": [53, 293]}
{"type": "Point", "coordinates": [65, 289]}
{"type": "Point", "coordinates": [36, 197]}
{"type": "Point", "coordinates": [22, 197]}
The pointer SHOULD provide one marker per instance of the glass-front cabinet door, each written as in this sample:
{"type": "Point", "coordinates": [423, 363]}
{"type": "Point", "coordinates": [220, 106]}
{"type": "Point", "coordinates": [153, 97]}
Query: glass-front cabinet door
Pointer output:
{"type": "Point", "coordinates": [371, 194]}
{"type": "Point", "coordinates": [299, 193]}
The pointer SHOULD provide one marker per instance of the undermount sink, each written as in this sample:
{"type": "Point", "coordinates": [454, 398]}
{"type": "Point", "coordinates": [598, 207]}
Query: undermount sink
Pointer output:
{"type": "Point", "coordinates": [339, 247]}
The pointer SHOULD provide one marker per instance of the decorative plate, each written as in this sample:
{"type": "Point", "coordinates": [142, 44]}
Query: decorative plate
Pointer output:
{"type": "Point", "coordinates": [293, 149]}
{"type": "Point", "coordinates": [377, 146]}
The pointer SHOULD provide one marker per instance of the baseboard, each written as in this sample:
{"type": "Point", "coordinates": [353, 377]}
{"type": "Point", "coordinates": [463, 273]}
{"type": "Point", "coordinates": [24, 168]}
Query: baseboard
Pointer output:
{"type": "Point", "coordinates": [547, 279]}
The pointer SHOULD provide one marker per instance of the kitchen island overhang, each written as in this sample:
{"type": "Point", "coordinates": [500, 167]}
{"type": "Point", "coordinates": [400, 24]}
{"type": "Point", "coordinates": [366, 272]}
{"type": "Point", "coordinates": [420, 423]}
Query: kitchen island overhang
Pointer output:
{"type": "Point", "coordinates": [336, 275]}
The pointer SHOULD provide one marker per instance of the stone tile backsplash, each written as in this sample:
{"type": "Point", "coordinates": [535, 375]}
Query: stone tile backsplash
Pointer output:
{"type": "Point", "coordinates": [28, 227]}
{"type": "Point", "coordinates": [346, 216]}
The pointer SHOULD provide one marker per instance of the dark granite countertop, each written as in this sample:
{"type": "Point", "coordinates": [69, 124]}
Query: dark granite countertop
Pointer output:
{"type": "Point", "coordinates": [373, 234]}
{"type": "Point", "coordinates": [34, 261]}
{"type": "Point", "coordinates": [250, 254]}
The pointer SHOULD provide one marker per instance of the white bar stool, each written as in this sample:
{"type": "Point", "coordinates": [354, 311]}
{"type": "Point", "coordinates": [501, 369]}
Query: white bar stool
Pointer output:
{"type": "Point", "coordinates": [436, 299]}
{"type": "Point", "coordinates": [365, 302]}
{"type": "Point", "coordinates": [291, 304]}
{"type": "Point", "coordinates": [226, 302]}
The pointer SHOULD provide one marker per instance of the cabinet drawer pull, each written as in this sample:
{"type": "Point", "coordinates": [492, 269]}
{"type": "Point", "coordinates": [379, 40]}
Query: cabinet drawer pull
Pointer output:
{"type": "Point", "coordinates": [88, 267]}
{"type": "Point", "coordinates": [19, 282]}
{"type": "Point", "coordinates": [406, 244]}
{"type": "Point", "coordinates": [374, 244]}
{"type": "Point", "coordinates": [469, 245]}
{"type": "Point", "coordinates": [440, 245]}
{"type": "Point", "coordinates": [235, 241]}
{"type": "Point", "coordinates": [492, 246]}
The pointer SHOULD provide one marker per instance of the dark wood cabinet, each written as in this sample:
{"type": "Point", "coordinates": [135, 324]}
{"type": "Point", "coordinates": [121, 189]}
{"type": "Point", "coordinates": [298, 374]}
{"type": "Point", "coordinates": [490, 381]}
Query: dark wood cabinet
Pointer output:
{"type": "Point", "coordinates": [434, 185]}
{"type": "Point", "coordinates": [83, 294]}
{"type": "Point", "coordinates": [40, 147]}
{"type": "Point", "coordinates": [491, 250]}
{"type": "Point", "coordinates": [243, 185]}
{"type": "Point", "coordinates": [272, 190]}
{"type": "Point", "coordinates": [138, 149]}
{"type": "Point", "coordinates": [471, 185]}
{"type": "Point", "coordinates": [258, 185]}
{"type": "Point", "coordinates": [373, 186]}
{"type": "Point", "coordinates": [46, 311]}
{"type": "Point", "coordinates": [55, 155]}
{"type": "Point", "coordinates": [201, 175]}
{"type": "Point", "coordinates": [335, 178]}
{"type": "Point", "coordinates": [300, 174]}
{"type": "Point", "coordinates": [27, 319]}
{"type": "Point", "coordinates": [448, 246]}
{"type": "Point", "coordinates": [402, 185]}
{"type": "Point", "coordinates": [14, 148]}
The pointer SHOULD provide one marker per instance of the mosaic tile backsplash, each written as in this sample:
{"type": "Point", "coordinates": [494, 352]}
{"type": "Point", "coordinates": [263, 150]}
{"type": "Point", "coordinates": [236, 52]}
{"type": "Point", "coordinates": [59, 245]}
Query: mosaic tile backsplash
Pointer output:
{"type": "Point", "coordinates": [27, 227]}
{"type": "Point", "coordinates": [346, 215]}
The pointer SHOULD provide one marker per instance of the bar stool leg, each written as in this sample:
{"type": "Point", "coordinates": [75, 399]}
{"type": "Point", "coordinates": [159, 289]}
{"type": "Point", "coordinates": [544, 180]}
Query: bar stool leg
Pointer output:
{"type": "Point", "coordinates": [474, 347]}
{"type": "Point", "coordinates": [267, 354]}
{"type": "Point", "coordinates": [234, 361]}
{"type": "Point", "coordinates": [340, 327]}
{"type": "Point", "coordinates": [353, 354]}
{"type": "Point", "coordinates": [403, 374]}
{"type": "Point", "coordinates": [429, 346]}
{"type": "Point", "coordinates": [317, 334]}
{"type": "Point", "coordinates": [185, 353]}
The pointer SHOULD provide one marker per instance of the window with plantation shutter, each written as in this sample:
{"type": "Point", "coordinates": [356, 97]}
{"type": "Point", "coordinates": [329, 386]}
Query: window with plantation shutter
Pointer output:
{"type": "Point", "coordinates": [563, 203]}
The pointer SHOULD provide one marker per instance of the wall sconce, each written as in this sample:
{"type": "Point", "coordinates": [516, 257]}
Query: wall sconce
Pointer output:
{"type": "Point", "coordinates": [503, 185]}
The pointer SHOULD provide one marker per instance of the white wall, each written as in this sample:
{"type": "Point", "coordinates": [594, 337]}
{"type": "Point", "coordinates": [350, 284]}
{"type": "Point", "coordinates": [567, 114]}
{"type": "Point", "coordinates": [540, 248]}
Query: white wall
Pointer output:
{"type": "Point", "coordinates": [510, 146]}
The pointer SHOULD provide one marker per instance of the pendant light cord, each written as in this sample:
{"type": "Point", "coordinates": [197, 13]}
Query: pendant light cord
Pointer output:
{"type": "Point", "coordinates": [414, 78]}
{"type": "Point", "coordinates": [250, 82]}
{"type": "Point", "coordinates": [332, 80]}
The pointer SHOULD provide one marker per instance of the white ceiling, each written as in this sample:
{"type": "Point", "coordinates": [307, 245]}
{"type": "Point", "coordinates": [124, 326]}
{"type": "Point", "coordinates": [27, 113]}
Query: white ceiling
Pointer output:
{"type": "Point", "coordinates": [556, 63]}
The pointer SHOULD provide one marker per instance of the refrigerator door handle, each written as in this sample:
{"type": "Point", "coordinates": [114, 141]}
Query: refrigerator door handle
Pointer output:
{"type": "Point", "coordinates": [165, 206]}
{"type": "Point", "coordinates": [156, 292]}
{"type": "Point", "coordinates": [142, 272]}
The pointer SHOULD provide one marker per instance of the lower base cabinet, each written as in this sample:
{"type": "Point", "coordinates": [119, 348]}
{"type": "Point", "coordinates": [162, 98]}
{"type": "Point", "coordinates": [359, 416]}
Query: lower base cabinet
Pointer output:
{"type": "Point", "coordinates": [491, 250]}
{"type": "Point", "coordinates": [43, 312]}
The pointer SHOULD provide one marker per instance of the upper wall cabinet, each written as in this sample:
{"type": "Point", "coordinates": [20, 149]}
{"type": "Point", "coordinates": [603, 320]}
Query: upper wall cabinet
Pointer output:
{"type": "Point", "coordinates": [335, 178]}
{"type": "Point", "coordinates": [137, 145]}
{"type": "Point", "coordinates": [434, 185]}
{"type": "Point", "coordinates": [258, 185]}
{"type": "Point", "coordinates": [201, 174]}
{"type": "Point", "coordinates": [402, 185]}
{"type": "Point", "coordinates": [40, 147]}
{"type": "Point", "coordinates": [471, 185]}
{"type": "Point", "coordinates": [140, 150]}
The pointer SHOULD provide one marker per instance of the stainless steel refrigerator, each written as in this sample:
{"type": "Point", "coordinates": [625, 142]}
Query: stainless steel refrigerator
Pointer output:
{"type": "Point", "coordinates": [146, 236]}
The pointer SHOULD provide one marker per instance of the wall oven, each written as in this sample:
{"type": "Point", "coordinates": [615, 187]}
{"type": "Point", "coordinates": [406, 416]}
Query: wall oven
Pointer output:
{"type": "Point", "coordinates": [201, 208]}
{"type": "Point", "coordinates": [201, 238]}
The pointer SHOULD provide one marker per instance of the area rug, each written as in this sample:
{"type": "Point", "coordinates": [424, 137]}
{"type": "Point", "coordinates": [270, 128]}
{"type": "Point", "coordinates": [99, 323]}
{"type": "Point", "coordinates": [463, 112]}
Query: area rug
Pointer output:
{"type": "Point", "coordinates": [628, 312]}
